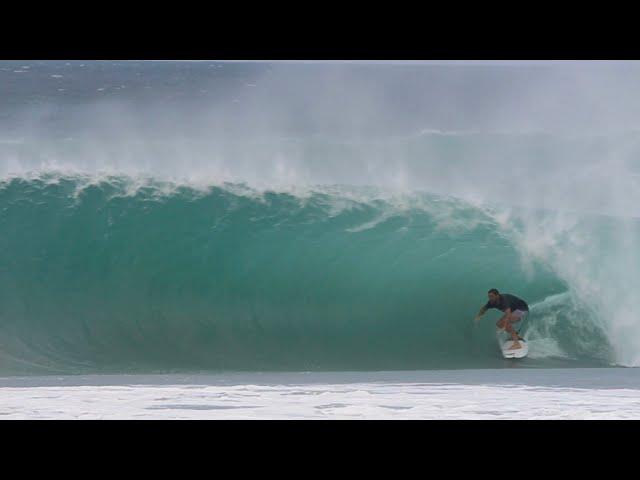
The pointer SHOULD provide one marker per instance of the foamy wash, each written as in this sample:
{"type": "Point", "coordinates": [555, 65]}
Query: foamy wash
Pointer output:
{"type": "Point", "coordinates": [209, 216]}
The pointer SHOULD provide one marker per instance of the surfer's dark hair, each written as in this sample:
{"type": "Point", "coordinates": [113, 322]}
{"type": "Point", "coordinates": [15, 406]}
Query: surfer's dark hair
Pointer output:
{"type": "Point", "coordinates": [494, 291]}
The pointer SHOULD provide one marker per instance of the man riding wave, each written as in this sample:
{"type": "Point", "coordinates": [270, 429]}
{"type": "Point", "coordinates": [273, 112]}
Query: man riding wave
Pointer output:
{"type": "Point", "coordinates": [514, 308]}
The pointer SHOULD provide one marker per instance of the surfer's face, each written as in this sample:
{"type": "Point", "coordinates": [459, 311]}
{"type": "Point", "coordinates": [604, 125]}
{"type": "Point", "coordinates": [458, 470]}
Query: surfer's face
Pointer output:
{"type": "Point", "coordinates": [493, 298]}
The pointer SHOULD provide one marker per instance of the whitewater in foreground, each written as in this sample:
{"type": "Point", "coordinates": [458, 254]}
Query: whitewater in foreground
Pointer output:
{"type": "Point", "coordinates": [462, 394]}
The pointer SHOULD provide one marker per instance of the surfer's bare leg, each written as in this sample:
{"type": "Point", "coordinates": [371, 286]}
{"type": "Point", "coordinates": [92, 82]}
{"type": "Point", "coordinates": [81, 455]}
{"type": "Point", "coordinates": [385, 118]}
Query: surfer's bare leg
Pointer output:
{"type": "Point", "coordinates": [512, 331]}
{"type": "Point", "coordinates": [505, 323]}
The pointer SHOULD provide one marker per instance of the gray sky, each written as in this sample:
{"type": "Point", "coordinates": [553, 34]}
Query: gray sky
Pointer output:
{"type": "Point", "coordinates": [456, 62]}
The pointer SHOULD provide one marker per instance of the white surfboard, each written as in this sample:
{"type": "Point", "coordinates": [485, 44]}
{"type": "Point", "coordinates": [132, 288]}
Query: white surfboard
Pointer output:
{"type": "Point", "coordinates": [507, 346]}
{"type": "Point", "coordinates": [509, 352]}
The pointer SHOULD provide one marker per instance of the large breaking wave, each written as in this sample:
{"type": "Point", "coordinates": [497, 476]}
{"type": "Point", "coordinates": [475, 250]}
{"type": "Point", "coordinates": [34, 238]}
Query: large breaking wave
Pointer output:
{"type": "Point", "coordinates": [121, 274]}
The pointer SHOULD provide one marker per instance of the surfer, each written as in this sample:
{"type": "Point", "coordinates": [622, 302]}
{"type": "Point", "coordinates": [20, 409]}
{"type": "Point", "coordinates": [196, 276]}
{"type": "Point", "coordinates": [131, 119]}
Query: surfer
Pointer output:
{"type": "Point", "coordinates": [514, 309]}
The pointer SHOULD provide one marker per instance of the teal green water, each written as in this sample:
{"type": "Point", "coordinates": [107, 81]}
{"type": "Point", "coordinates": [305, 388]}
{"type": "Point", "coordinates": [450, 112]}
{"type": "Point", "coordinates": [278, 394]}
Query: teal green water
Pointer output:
{"type": "Point", "coordinates": [101, 278]}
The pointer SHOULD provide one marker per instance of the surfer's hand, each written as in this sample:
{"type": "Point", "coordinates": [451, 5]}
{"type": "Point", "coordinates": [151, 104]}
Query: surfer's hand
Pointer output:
{"type": "Point", "coordinates": [476, 320]}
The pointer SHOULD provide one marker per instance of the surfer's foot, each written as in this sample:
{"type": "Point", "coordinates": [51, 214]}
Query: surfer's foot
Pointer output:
{"type": "Point", "coordinates": [516, 345]}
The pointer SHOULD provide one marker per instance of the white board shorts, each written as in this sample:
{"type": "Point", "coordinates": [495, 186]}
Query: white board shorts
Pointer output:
{"type": "Point", "coordinates": [519, 314]}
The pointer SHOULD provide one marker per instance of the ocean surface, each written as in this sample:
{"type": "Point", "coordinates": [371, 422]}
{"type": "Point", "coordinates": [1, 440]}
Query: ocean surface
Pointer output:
{"type": "Point", "coordinates": [503, 394]}
{"type": "Point", "coordinates": [174, 234]}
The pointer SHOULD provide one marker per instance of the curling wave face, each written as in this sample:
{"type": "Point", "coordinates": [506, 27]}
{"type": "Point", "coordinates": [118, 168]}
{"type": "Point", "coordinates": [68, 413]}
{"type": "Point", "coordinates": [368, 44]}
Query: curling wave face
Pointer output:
{"type": "Point", "coordinates": [117, 273]}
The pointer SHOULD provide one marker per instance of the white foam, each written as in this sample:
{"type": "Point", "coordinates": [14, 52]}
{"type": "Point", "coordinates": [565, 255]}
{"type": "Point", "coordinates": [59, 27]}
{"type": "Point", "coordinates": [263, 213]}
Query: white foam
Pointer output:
{"type": "Point", "coordinates": [376, 400]}
{"type": "Point", "coordinates": [597, 259]}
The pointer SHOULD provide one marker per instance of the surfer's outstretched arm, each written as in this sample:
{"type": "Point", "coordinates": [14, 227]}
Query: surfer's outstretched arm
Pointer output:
{"type": "Point", "coordinates": [482, 311]}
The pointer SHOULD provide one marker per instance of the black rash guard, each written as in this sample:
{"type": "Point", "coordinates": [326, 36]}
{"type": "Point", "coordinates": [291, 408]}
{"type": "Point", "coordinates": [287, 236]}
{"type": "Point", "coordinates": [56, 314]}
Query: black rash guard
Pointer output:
{"type": "Point", "coordinates": [508, 301]}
